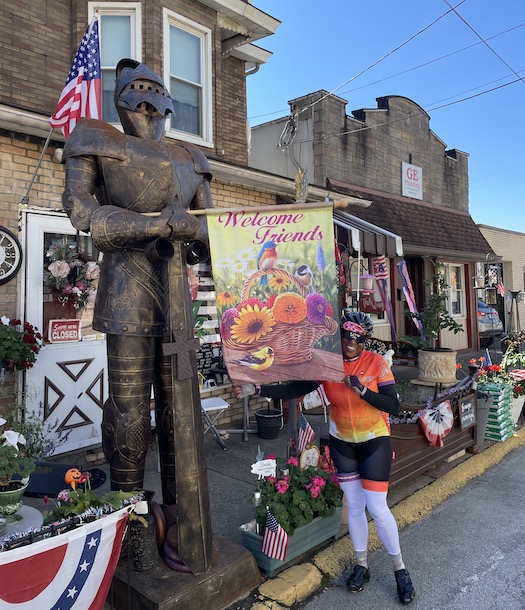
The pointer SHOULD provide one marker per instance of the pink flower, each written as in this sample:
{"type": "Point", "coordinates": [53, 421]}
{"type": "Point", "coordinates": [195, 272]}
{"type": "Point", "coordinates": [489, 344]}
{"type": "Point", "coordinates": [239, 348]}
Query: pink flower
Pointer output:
{"type": "Point", "coordinates": [293, 461]}
{"type": "Point", "coordinates": [59, 269]}
{"type": "Point", "coordinates": [282, 486]}
{"type": "Point", "coordinates": [92, 270]}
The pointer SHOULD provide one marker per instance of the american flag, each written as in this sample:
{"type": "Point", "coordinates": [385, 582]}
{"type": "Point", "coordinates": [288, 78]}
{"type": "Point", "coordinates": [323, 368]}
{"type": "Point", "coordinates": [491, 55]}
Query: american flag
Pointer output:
{"type": "Point", "coordinates": [306, 433]}
{"type": "Point", "coordinates": [81, 96]}
{"type": "Point", "coordinates": [69, 571]}
{"type": "Point", "coordinates": [275, 539]}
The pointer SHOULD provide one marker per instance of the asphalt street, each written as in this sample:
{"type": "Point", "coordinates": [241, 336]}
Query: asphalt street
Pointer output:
{"type": "Point", "coordinates": [467, 554]}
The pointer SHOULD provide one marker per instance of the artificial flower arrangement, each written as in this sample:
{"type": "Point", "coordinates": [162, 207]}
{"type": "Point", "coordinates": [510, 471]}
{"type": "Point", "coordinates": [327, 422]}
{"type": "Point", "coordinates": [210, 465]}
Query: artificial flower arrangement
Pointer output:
{"type": "Point", "coordinates": [73, 277]}
{"type": "Point", "coordinates": [14, 457]}
{"type": "Point", "coordinates": [296, 496]}
{"type": "Point", "coordinates": [20, 344]}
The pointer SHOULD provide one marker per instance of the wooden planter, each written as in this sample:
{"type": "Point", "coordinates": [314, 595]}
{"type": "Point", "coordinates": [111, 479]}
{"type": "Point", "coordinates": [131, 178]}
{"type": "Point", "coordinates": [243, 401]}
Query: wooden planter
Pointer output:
{"type": "Point", "coordinates": [303, 539]}
{"type": "Point", "coordinates": [413, 454]}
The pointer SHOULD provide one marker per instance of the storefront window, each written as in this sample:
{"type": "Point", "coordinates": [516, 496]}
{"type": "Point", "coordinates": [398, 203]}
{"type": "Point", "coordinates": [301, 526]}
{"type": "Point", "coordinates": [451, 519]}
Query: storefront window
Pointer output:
{"type": "Point", "coordinates": [456, 290]}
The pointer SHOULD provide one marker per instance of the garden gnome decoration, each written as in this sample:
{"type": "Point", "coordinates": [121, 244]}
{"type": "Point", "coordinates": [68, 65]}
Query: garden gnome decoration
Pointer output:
{"type": "Point", "coordinates": [132, 192]}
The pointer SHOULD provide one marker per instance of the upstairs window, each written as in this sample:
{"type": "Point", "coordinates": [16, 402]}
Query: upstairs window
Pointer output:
{"type": "Point", "coordinates": [120, 37]}
{"type": "Point", "coordinates": [187, 74]}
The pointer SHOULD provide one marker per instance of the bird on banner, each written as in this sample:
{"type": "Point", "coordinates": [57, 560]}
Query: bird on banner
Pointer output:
{"type": "Point", "coordinates": [305, 277]}
{"type": "Point", "coordinates": [266, 259]}
{"type": "Point", "coordinates": [306, 434]}
{"type": "Point", "coordinates": [275, 539]}
{"type": "Point", "coordinates": [258, 361]}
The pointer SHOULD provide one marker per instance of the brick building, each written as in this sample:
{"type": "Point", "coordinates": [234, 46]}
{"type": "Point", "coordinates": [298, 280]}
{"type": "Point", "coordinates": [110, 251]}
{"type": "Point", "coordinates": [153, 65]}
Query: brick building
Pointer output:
{"type": "Point", "coordinates": [38, 42]}
{"type": "Point", "coordinates": [418, 190]}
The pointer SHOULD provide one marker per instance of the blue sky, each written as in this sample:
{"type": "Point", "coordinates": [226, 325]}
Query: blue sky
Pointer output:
{"type": "Point", "coordinates": [324, 45]}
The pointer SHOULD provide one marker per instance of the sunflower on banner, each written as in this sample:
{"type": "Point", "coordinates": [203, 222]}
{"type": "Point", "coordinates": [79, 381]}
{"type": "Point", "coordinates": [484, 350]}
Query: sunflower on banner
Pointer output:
{"type": "Point", "coordinates": [276, 291]}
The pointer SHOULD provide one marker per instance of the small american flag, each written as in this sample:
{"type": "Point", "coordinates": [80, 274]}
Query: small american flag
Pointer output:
{"type": "Point", "coordinates": [275, 539]}
{"type": "Point", "coordinates": [81, 96]}
{"type": "Point", "coordinates": [306, 434]}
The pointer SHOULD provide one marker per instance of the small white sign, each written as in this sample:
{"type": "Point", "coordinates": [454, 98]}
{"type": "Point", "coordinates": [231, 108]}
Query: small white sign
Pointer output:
{"type": "Point", "coordinates": [61, 331]}
{"type": "Point", "coordinates": [411, 181]}
{"type": "Point", "coordinates": [264, 468]}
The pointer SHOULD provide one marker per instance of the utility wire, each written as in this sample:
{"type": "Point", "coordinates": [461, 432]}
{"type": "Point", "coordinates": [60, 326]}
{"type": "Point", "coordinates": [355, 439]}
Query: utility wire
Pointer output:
{"type": "Point", "coordinates": [289, 131]}
{"type": "Point", "coordinates": [412, 69]}
{"type": "Point", "coordinates": [482, 39]}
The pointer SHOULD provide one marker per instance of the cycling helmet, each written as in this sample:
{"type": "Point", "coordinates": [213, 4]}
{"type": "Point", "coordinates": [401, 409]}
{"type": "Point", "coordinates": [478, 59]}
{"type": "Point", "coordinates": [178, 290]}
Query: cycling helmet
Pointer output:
{"type": "Point", "coordinates": [362, 320]}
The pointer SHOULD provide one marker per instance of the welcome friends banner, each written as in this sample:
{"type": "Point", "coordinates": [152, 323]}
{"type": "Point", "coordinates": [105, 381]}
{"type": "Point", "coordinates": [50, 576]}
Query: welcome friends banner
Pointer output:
{"type": "Point", "coordinates": [276, 292]}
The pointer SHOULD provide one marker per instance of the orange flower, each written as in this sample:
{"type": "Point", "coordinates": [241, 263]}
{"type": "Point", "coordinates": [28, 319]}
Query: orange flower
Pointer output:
{"type": "Point", "coordinates": [289, 307]}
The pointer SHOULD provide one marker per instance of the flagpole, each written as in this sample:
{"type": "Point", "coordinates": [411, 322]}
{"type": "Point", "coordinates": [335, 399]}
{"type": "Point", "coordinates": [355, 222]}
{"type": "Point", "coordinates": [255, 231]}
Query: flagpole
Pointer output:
{"type": "Point", "coordinates": [25, 198]}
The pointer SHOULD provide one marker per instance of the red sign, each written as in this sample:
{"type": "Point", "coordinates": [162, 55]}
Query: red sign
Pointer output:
{"type": "Point", "coordinates": [368, 305]}
{"type": "Point", "coordinates": [61, 331]}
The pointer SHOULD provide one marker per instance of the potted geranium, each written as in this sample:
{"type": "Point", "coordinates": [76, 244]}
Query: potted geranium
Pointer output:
{"type": "Point", "coordinates": [20, 344]}
{"type": "Point", "coordinates": [14, 462]}
{"type": "Point", "coordinates": [305, 501]}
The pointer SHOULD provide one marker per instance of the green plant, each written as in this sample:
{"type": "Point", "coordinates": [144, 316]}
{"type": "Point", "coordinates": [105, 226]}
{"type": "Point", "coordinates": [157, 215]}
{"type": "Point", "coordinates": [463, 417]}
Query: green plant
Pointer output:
{"type": "Point", "coordinates": [19, 344]}
{"type": "Point", "coordinates": [83, 501]}
{"type": "Point", "coordinates": [298, 496]}
{"type": "Point", "coordinates": [14, 459]}
{"type": "Point", "coordinates": [434, 315]}
{"type": "Point", "coordinates": [513, 357]}
{"type": "Point", "coordinates": [42, 438]}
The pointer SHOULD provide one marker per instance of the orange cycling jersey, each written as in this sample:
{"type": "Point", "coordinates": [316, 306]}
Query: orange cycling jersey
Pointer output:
{"type": "Point", "coordinates": [353, 419]}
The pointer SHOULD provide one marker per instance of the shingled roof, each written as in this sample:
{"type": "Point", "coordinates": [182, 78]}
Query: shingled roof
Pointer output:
{"type": "Point", "coordinates": [424, 227]}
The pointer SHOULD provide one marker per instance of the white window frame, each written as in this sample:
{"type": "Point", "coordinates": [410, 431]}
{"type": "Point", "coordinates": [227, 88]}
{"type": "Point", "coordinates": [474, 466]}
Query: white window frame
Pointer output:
{"type": "Point", "coordinates": [134, 11]}
{"type": "Point", "coordinates": [205, 36]}
{"type": "Point", "coordinates": [460, 268]}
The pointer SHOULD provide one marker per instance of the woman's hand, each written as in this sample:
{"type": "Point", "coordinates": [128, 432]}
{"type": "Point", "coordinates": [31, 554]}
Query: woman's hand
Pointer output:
{"type": "Point", "coordinates": [243, 390]}
{"type": "Point", "coordinates": [352, 381]}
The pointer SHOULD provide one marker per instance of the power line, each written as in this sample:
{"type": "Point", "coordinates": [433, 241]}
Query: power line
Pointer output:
{"type": "Point", "coordinates": [288, 134]}
{"type": "Point", "coordinates": [482, 39]}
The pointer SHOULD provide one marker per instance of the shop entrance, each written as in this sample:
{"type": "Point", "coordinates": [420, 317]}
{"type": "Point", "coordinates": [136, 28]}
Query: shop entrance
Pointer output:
{"type": "Point", "coordinates": [68, 384]}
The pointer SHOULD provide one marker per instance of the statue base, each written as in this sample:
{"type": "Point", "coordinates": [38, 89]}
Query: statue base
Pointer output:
{"type": "Point", "coordinates": [233, 574]}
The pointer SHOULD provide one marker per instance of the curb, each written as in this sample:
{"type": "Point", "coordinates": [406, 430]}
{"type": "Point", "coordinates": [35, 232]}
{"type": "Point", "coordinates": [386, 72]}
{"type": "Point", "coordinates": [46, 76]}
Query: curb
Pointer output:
{"type": "Point", "coordinates": [301, 581]}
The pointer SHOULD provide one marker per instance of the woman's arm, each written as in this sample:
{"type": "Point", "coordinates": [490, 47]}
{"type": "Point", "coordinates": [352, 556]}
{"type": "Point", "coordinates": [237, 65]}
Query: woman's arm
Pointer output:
{"type": "Point", "coordinates": [385, 400]}
{"type": "Point", "coordinates": [286, 391]}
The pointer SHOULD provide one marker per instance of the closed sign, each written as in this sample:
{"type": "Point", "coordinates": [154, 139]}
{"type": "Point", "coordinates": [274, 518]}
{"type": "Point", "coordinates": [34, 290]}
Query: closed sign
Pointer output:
{"type": "Point", "coordinates": [60, 331]}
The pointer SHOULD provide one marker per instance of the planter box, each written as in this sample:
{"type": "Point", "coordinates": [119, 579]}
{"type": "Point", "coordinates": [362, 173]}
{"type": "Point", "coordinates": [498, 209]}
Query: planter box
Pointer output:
{"type": "Point", "coordinates": [304, 539]}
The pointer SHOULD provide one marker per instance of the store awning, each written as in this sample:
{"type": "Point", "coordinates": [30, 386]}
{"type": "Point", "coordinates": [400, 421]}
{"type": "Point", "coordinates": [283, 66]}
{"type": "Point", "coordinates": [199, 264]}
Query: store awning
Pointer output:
{"type": "Point", "coordinates": [367, 238]}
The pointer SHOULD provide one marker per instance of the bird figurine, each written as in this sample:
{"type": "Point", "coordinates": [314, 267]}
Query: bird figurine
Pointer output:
{"type": "Point", "coordinates": [259, 360]}
{"type": "Point", "coordinates": [305, 276]}
{"type": "Point", "coordinates": [266, 259]}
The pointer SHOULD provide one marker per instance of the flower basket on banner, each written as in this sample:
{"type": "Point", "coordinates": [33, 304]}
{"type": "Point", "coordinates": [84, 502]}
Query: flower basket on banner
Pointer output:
{"type": "Point", "coordinates": [295, 321]}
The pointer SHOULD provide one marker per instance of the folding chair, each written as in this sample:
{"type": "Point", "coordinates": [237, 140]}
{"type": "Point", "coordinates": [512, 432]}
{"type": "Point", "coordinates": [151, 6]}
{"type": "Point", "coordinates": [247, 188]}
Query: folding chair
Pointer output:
{"type": "Point", "coordinates": [209, 405]}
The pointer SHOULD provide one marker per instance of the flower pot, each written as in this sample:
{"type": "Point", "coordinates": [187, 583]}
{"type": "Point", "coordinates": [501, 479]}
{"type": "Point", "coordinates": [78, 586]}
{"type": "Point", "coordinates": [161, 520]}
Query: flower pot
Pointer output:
{"type": "Point", "coordinates": [437, 365]}
{"type": "Point", "coordinates": [516, 408]}
{"type": "Point", "coordinates": [482, 416]}
{"type": "Point", "coordinates": [11, 499]}
{"type": "Point", "coordinates": [303, 539]}
{"type": "Point", "coordinates": [268, 423]}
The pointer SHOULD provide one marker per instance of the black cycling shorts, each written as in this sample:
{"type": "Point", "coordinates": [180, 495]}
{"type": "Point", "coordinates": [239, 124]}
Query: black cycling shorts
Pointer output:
{"type": "Point", "coordinates": [372, 459]}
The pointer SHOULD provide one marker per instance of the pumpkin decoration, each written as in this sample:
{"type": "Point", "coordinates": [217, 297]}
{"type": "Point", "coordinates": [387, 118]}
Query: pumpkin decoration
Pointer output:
{"type": "Point", "coordinates": [72, 477]}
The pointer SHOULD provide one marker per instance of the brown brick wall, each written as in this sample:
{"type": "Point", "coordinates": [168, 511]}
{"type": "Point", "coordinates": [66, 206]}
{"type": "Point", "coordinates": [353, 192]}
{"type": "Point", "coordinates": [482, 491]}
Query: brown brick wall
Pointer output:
{"type": "Point", "coordinates": [38, 41]}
